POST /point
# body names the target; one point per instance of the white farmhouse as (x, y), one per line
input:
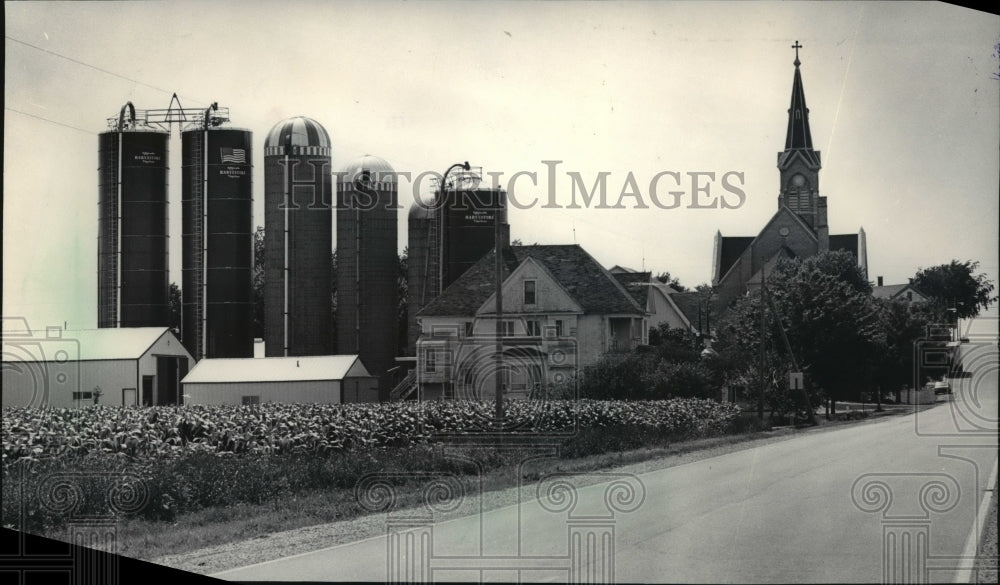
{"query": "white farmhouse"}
(561, 312)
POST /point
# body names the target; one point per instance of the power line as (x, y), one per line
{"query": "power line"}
(102, 70)
(48, 120)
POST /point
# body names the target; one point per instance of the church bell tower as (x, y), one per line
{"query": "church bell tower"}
(799, 164)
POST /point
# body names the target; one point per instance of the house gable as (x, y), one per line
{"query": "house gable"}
(663, 309)
(550, 295)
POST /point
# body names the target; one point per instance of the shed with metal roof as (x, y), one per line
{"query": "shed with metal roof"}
(326, 379)
(123, 366)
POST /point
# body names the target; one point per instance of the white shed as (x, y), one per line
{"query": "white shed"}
(66, 368)
(329, 379)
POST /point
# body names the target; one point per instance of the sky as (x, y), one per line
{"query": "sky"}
(903, 97)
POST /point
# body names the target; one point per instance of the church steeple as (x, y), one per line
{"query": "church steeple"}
(799, 164)
(798, 135)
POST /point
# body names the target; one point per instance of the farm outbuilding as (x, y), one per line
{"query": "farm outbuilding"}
(328, 379)
(123, 366)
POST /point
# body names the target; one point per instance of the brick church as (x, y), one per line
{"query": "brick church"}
(798, 229)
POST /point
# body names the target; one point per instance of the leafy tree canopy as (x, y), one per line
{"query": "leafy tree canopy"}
(955, 286)
(671, 281)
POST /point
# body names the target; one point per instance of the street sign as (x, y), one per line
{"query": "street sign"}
(795, 381)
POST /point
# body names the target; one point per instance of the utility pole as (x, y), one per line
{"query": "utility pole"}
(791, 356)
(498, 252)
(763, 290)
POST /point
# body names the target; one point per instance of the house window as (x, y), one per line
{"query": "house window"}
(909, 295)
(507, 329)
(559, 328)
(430, 364)
(534, 328)
(251, 400)
(468, 328)
(529, 292)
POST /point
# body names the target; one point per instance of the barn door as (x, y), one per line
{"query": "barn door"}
(147, 390)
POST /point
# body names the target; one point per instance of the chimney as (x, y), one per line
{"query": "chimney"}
(880, 281)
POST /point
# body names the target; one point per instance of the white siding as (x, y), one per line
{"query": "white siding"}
(321, 391)
(663, 312)
(53, 384)
(166, 346)
(590, 338)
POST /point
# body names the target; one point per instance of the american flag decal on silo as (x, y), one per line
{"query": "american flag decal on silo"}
(233, 155)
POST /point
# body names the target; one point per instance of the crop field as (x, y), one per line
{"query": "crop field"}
(167, 432)
(154, 463)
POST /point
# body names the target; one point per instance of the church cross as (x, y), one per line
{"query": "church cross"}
(797, 46)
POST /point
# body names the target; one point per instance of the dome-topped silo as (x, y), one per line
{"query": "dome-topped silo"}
(367, 262)
(298, 228)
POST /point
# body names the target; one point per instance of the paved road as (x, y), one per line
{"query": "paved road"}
(893, 499)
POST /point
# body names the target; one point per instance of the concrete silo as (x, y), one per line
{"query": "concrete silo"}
(217, 240)
(298, 228)
(367, 262)
(132, 241)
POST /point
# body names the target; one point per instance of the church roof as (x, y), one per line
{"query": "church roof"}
(783, 253)
(845, 242)
(798, 138)
(798, 135)
(732, 248)
(583, 278)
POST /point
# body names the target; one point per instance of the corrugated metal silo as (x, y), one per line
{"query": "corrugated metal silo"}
(132, 244)
(367, 263)
(217, 233)
(298, 277)
(467, 228)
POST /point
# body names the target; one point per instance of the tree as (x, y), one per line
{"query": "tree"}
(674, 344)
(903, 324)
(333, 300)
(618, 377)
(830, 319)
(671, 281)
(176, 301)
(402, 288)
(258, 282)
(739, 361)
(821, 305)
(954, 286)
